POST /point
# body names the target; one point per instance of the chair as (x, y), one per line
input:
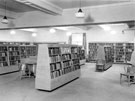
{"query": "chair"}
(129, 74)
(27, 68)
(129, 70)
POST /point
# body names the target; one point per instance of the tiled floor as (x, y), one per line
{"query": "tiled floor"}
(91, 86)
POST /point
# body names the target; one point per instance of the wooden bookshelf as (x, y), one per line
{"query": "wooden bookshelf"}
(121, 52)
(9, 58)
(23, 52)
(31, 50)
(28, 50)
(119, 55)
(57, 64)
(129, 48)
(11, 55)
(92, 52)
(81, 55)
(14, 55)
(3, 56)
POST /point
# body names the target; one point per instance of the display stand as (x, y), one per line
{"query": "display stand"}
(57, 64)
(104, 58)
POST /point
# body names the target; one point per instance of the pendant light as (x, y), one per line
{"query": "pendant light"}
(80, 13)
(5, 20)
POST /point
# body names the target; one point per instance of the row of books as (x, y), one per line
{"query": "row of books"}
(14, 53)
(14, 58)
(3, 59)
(3, 54)
(14, 62)
(54, 51)
(66, 57)
(74, 56)
(65, 50)
(58, 73)
(13, 48)
(55, 59)
(55, 67)
(2, 64)
(3, 49)
(67, 64)
(76, 61)
(74, 50)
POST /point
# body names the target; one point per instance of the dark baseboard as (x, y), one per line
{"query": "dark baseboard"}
(9, 72)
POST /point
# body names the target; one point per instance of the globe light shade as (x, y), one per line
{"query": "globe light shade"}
(34, 34)
(52, 30)
(12, 32)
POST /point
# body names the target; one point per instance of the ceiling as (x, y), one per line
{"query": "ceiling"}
(66, 4)
(15, 6)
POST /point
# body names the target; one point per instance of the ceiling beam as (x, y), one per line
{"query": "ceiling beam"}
(67, 25)
(43, 5)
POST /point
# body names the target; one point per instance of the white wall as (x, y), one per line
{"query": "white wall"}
(100, 35)
(43, 35)
(20, 36)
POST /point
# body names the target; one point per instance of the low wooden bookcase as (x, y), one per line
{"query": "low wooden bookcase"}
(57, 64)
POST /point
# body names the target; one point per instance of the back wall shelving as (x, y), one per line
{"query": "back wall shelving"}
(121, 51)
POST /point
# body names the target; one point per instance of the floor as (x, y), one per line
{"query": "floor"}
(91, 86)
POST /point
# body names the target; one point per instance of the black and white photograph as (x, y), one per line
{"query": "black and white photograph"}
(67, 50)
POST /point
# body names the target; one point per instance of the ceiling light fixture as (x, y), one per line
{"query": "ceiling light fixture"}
(34, 34)
(80, 13)
(12, 32)
(52, 30)
(5, 20)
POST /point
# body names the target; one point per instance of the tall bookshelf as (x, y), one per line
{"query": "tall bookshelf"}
(11, 55)
(9, 58)
(28, 50)
(129, 48)
(23, 52)
(92, 52)
(3, 56)
(119, 56)
(14, 55)
(81, 54)
(120, 51)
(57, 64)
(31, 50)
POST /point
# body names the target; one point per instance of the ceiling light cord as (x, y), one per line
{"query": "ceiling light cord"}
(80, 4)
(5, 7)
(5, 20)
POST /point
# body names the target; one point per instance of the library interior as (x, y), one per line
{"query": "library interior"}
(65, 50)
